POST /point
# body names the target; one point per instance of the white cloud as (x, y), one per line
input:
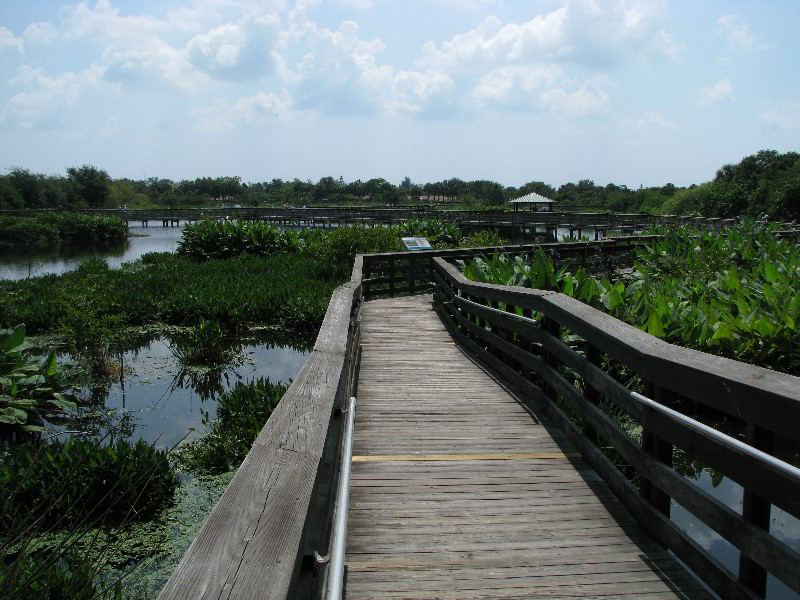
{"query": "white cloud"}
(738, 34)
(543, 87)
(579, 31)
(784, 116)
(358, 4)
(41, 32)
(647, 120)
(47, 93)
(8, 39)
(239, 50)
(709, 95)
(259, 109)
(335, 72)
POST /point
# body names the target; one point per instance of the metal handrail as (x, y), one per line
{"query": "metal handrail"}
(337, 556)
(724, 439)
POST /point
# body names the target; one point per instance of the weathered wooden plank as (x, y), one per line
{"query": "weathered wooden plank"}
(450, 468)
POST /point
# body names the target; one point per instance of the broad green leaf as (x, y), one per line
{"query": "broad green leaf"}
(771, 272)
(654, 326)
(568, 288)
(769, 294)
(14, 339)
(51, 364)
(722, 331)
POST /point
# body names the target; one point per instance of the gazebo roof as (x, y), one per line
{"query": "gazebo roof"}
(532, 198)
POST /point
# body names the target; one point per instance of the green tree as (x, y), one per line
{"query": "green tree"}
(89, 186)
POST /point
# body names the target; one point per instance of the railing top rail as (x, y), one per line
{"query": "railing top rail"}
(754, 394)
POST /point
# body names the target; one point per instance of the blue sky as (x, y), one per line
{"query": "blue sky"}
(628, 91)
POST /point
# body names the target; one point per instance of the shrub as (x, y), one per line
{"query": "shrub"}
(53, 229)
(337, 249)
(223, 239)
(483, 239)
(64, 484)
(66, 576)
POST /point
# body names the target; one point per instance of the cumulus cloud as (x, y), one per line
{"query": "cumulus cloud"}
(710, 95)
(738, 34)
(783, 116)
(41, 32)
(258, 109)
(336, 72)
(543, 87)
(9, 40)
(46, 93)
(579, 31)
(239, 50)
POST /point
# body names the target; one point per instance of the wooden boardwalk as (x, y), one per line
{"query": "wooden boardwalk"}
(461, 491)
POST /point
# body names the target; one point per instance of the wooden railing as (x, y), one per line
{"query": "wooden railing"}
(517, 332)
(394, 215)
(398, 273)
(261, 538)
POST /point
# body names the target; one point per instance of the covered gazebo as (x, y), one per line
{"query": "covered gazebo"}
(537, 200)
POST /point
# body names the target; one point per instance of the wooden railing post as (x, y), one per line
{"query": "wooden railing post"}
(589, 392)
(756, 510)
(553, 328)
(660, 450)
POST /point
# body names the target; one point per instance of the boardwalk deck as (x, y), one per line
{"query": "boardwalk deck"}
(461, 491)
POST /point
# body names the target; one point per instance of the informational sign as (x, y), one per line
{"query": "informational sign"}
(416, 243)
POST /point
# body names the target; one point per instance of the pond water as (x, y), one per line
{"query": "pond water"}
(155, 400)
(142, 241)
(783, 526)
(154, 238)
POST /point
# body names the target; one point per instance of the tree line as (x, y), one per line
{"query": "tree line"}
(764, 184)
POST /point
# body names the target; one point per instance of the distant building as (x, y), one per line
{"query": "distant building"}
(537, 201)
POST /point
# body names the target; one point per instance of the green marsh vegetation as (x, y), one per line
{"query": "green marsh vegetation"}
(53, 230)
(736, 294)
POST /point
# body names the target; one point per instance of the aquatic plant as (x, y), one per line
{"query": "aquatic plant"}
(50, 230)
(30, 390)
(735, 293)
(52, 576)
(223, 239)
(206, 345)
(57, 485)
(241, 414)
(289, 291)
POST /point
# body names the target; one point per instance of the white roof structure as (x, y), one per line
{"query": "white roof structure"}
(532, 198)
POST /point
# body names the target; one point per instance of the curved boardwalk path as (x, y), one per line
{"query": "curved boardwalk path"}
(460, 490)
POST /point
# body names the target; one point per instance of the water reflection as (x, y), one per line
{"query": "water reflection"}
(15, 265)
(783, 526)
(152, 397)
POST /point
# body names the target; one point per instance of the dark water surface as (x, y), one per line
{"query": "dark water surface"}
(144, 239)
(155, 400)
(783, 526)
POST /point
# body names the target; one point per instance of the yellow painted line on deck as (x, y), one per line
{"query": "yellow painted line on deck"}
(465, 457)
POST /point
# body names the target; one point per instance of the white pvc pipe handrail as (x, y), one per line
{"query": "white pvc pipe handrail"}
(336, 568)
